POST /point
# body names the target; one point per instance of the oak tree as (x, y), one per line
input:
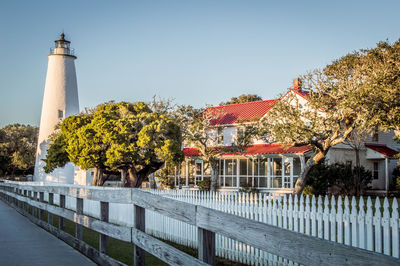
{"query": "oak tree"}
(128, 137)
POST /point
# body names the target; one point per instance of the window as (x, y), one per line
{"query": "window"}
(198, 171)
(60, 114)
(246, 172)
(286, 181)
(296, 169)
(276, 172)
(260, 172)
(243, 172)
(220, 136)
(376, 170)
(221, 173)
(230, 172)
(375, 137)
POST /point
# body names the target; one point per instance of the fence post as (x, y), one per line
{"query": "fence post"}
(41, 199)
(34, 208)
(25, 204)
(79, 210)
(206, 246)
(14, 197)
(18, 203)
(61, 222)
(30, 211)
(139, 223)
(49, 215)
(104, 211)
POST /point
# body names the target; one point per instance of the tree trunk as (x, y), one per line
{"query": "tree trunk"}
(136, 178)
(99, 178)
(302, 180)
(357, 175)
(214, 176)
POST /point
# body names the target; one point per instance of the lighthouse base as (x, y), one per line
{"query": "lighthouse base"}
(63, 175)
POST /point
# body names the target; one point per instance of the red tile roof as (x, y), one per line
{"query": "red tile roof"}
(257, 149)
(381, 148)
(191, 152)
(275, 149)
(241, 112)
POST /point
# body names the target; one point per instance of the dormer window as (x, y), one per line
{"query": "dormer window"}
(220, 136)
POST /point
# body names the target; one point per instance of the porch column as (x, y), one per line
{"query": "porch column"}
(386, 174)
(175, 177)
(187, 173)
(202, 171)
(283, 172)
(252, 172)
(269, 173)
(291, 172)
(237, 173)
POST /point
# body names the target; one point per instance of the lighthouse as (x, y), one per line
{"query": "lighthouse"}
(60, 100)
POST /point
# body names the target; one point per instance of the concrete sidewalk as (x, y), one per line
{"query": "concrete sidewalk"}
(24, 243)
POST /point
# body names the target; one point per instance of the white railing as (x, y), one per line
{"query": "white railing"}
(357, 222)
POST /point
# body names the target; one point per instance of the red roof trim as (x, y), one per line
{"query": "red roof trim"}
(256, 149)
(302, 93)
(381, 148)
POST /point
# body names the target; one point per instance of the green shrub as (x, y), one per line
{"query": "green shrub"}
(396, 176)
(353, 181)
(204, 185)
(308, 190)
(319, 180)
(349, 181)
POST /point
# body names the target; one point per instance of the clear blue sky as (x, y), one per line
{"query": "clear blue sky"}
(196, 52)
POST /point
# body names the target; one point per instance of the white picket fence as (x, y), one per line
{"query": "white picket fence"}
(359, 224)
(364, 224)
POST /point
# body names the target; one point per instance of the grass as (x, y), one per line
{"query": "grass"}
(123, 251)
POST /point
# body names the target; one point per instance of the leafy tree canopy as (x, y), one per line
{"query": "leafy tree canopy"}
(244, 98)
(17, 148)
(119, 136)
(358, 93)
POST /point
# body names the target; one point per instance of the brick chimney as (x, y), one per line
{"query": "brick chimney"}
(297, 84)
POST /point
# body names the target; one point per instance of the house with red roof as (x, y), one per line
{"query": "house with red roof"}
(271, 167)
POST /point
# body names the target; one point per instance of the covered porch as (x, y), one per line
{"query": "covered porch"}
(265, 167)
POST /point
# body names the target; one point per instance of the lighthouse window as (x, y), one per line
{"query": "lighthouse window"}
(60, 114)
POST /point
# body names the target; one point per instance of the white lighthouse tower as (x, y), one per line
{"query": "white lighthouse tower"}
(60, 100)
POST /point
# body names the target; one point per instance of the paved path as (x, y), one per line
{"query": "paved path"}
(24, 243)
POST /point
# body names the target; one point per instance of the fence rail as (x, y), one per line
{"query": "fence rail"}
(356, 222)
(290, 245)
